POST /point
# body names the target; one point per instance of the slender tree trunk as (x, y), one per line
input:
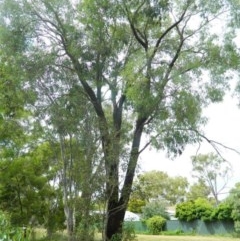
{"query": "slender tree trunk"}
(69, 214)
(67, 195)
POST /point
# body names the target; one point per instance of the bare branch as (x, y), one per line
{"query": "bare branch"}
(215, 144)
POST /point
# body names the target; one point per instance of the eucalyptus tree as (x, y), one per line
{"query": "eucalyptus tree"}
(213, 171)
(146, 68)
(71, 129)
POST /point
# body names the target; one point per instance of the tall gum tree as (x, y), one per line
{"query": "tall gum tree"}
(147, 67)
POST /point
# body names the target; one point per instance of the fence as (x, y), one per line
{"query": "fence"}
(197, 226)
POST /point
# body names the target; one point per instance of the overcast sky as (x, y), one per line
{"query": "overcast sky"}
(223, 126)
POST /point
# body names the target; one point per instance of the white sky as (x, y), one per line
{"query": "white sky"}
(223, 126)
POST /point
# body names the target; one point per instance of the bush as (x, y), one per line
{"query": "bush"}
(186, 211)
(198, 209)
(156, 224)
(204, 209)
(223, 211)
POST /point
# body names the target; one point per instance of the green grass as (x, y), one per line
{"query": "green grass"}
(182, 238)
(61, 236)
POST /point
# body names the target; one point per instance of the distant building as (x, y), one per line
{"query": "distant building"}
(130, 216)
(171, 212)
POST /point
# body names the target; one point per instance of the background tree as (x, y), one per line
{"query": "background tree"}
(135, 205)
(213, 171)
(154, 208)
(25, 189)
(139, 65)
(158, 185)
(75, 143)
(198, 190)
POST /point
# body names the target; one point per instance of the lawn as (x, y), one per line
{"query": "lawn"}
(182, 238)
(140, 237)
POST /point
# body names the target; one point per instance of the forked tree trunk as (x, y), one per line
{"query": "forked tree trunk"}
(114, 226)
(117, 206)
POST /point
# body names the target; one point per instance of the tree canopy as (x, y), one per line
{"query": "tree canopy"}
(142, 70)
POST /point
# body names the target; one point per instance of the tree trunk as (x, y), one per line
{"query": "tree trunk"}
(117, 206)
(70, 222)
(114, 226)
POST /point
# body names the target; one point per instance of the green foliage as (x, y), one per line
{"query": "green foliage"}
(27, 194)
(9, 233)
(155, 224)
(198, 190)
(112, 71)
(234, 199)
(203, 209)
(157, 184)
(135, 205)
(223, 211)
(237, 226)
(186, 211)
(154, 208)
(191, 210)
(128, 233)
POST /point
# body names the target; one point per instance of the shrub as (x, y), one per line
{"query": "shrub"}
(223, 211)
(198, 209)
(156, 224)
(204, 209)
(186, 211)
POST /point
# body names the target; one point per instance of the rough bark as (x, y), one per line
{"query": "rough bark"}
(117, 206)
